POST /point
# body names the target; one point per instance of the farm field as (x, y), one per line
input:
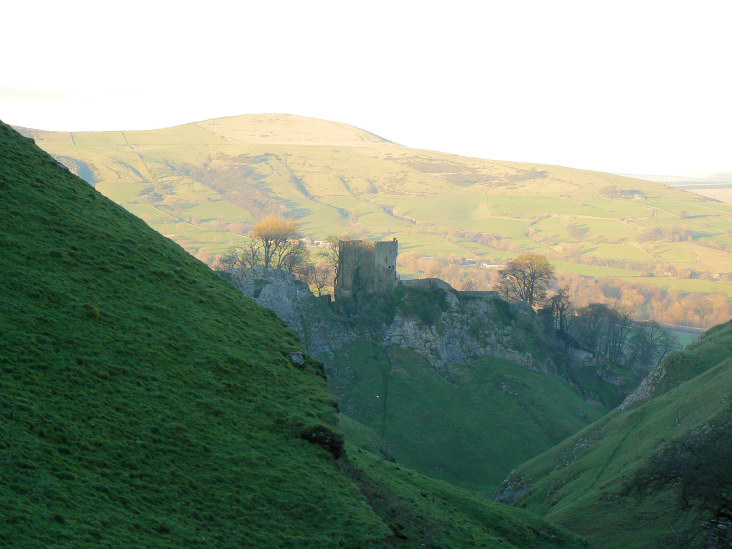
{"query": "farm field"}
(204, 185)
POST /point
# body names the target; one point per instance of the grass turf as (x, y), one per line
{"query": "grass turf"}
(147, 403)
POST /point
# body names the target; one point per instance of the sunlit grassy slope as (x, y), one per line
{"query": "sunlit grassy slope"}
(597, 482)
(145, 402)
(203, 184)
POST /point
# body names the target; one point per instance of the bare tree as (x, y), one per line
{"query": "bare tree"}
(332, 253)
(319, 275)
(609, 332)
(619, 325)
(228, 261)
(588, 326)
(250, 254)
(274, 242)
(667, 342)
(642, 342)
(560, 306)
(293, 257)
(526, 279)
(276, 236)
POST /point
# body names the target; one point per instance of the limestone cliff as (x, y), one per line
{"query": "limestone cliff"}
(441, 377)
(464, 330)
(444, 326)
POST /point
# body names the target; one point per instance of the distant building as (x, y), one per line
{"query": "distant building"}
(366, 267)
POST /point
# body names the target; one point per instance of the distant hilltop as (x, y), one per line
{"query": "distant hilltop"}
(205, 184)
(681, 180)
(717, 186)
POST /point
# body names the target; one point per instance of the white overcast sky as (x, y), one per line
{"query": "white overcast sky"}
(622, 86)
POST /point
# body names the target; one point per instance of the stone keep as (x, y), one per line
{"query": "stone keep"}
(366, 267)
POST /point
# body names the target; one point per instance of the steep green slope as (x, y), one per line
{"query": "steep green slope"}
(203, 184)
(471, 430)
(146, 402)
(459, 387)
(713, 347)
(652, 475)
(423, 512)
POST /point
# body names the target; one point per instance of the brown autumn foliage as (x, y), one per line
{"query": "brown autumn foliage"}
(647, 302)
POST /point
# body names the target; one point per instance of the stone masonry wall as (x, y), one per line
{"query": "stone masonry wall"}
(366, 267)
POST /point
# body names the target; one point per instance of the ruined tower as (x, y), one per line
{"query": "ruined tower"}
(366, 267)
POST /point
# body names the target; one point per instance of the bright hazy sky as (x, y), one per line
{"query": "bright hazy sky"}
(623, 86)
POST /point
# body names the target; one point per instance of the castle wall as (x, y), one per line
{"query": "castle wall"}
(426, 284)
(366, 267)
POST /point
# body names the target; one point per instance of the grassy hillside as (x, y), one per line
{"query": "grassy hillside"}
(653, 475)
(430, 513)
(460, 388)
(715, 346)
(471, 430)
(145, 402)
(203, 184)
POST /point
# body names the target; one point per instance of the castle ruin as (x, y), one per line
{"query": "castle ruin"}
(366, 267)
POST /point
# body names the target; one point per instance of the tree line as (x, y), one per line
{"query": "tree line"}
(648, 302)
(606, 331)
(275, 242)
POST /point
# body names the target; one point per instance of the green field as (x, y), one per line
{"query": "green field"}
(220, 175)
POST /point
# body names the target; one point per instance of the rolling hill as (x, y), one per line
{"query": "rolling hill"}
(717, 186)
(146, 402)
(204, 184)
(654, 472)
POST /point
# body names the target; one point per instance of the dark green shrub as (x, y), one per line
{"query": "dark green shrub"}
(91, 312)
(425, 304)
(502, 311)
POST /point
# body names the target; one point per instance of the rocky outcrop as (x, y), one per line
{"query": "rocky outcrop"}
(649, 387)
(681, 366)
(294, 303)
(451, 340)
(512, 488)
(444, 326)
(463, 330)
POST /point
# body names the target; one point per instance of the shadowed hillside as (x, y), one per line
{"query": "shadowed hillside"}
(146, 402)
(461, 388)
(654, 472)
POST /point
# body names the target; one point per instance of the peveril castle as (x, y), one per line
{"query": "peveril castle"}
(370, 268)
(366, 267)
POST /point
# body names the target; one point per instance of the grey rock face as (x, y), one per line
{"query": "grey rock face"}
(462, 332)
(297, 358)
(511, 489)
(646, 390)
(294, 303)
(450, 339)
